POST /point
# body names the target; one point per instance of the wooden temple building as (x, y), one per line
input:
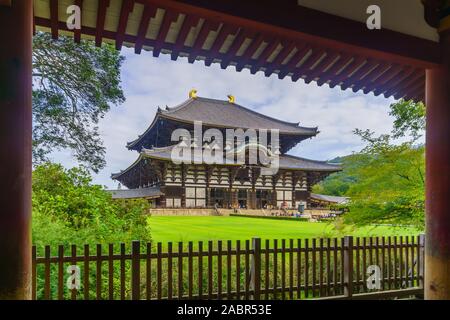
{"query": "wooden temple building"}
(156, 177)
(312, 41)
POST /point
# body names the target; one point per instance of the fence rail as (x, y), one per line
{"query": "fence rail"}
(256, 269)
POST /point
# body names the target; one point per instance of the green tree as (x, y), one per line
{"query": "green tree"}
(390, 186)
(69, 209)
(409, 119)
(385, 180)
(74, 85)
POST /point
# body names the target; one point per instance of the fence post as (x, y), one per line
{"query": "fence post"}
(135, 270)
(348, 266)
(255, 270)
(421, 265)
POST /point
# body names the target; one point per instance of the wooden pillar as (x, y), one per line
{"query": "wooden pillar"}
(437, 244)
(208, 174)
(15, 139)
(183, 185)
(295, 178)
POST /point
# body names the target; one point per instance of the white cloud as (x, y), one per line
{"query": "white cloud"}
(150, 82)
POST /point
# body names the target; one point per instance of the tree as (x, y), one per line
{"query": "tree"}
(409, 119)
(74, 85)
(385, 181)
(390, 186)
(69, 209)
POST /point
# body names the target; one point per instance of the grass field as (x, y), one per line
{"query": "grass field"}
(191, 228)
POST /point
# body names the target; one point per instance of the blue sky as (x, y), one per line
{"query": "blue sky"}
(150, 82)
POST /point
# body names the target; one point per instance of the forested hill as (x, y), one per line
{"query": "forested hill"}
(339, 183)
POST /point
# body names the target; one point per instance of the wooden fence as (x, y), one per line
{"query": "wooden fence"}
(256, 269)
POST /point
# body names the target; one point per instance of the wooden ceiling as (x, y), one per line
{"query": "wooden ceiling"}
(263, 36)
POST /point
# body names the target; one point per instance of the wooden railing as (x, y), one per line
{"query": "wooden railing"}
(270, 269)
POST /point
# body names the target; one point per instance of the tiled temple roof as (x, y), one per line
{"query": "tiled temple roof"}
(150, 192)
(224, 114)
(331, 199)
(285, 161)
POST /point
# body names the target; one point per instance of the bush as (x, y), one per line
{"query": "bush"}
(69, 209)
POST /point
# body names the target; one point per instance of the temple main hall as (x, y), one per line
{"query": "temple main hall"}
(170, 184)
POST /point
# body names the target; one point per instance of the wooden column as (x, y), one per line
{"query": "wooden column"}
(295, 178)
(208, 174)
(437, 250)
(275, 179)
(255, 172)
(183, 184)
(15, 139)
(232, 193)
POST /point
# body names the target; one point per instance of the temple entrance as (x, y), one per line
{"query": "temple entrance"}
(242, 198)
(217, 196)
(263, 199)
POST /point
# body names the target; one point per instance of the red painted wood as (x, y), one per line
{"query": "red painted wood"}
(188, 23)
(305, 67)
(169, 17)
(206, 28)
(293, 61)
(101, 16)
(332, 71)
(412, 82)
(54, 18)
(77, 32)
(437, 246)
(319, 69)
(369, 83)
(15, 138)
(224, 32)
(357, 76)
(149, 12)
(281, 56)
(318, 28)
(127, 8)
(267, 52)
(354, 65)
(413, 89)
(400, 79)
(386, 76)
(250, 51)
(234, 48)
(370, 78)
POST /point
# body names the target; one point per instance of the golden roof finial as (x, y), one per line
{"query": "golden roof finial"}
(231, 98)
(193, 94)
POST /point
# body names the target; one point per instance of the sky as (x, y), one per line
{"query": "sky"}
(150, 82)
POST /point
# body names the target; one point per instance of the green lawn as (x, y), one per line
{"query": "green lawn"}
(191, 228)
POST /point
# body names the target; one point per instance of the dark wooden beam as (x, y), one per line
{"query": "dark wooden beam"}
(316, 54)
(54, 18)
(293, 61)
(250, 51)
(127, 8)
(224, 32)
(188, 23)
(15, 137)
(77, 32)
(237, 43)
(262, 59)
(318, 28)
(437, 244)
(206, 28)
(149, 12)
(101, 16)
(169, 18)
